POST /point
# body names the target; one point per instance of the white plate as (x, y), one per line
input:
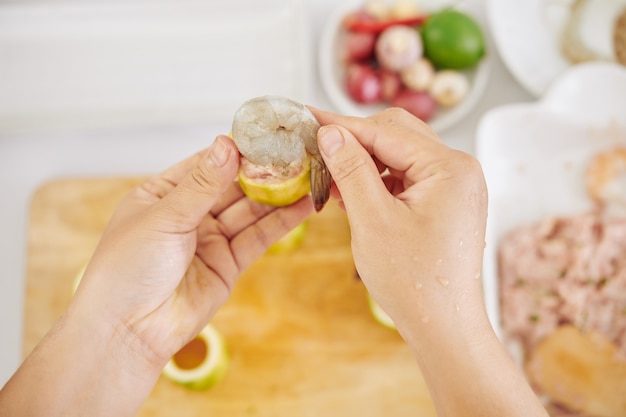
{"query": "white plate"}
(93, 64)
(331, 68)
(527, 35)
(534, 155)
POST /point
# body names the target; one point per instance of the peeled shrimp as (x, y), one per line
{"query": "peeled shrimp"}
(277, 134)
(606, 176)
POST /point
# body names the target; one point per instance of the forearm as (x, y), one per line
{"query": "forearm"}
(80, 368)
(469, 373)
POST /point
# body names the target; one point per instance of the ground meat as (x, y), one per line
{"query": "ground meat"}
(564, 270)
(270, 174)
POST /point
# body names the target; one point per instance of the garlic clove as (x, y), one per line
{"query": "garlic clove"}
(419, 75)
(449, 87)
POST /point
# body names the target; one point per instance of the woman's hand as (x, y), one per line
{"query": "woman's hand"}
(166, 262)
(418, 241)
(175, 246)
(418, 232)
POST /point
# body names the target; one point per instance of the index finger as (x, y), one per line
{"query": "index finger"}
(393, 136)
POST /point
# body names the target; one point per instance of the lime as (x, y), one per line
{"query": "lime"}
(379, 314)
(201, 363)
(452, 40)
(277, 193)
(290, 241)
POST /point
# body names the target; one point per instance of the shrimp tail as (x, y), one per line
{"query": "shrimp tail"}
(320, 182)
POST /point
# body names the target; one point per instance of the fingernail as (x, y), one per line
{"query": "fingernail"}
(219, 152)
(330, 140)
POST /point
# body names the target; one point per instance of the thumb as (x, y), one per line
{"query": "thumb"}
(353, 170)
(190, 201)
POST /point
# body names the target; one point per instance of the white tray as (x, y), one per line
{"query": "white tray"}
(534, 155)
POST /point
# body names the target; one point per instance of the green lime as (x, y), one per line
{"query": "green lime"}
(452, 40)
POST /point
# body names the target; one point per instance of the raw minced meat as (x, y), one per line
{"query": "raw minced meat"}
(271, 173)
(564, 270)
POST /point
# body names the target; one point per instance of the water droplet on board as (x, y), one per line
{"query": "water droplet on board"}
(443, 281)
(477, 276)
(461, 243)
(476, 232)
(439, 261)
(425, 319)
(457, 308)
(418, 286)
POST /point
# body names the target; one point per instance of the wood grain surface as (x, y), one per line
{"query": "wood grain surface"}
(301, 339)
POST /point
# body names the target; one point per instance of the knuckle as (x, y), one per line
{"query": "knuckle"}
(202, 178)
(397, 118)
(261, 236)
(467, 164)
(157, 186)
(259, 210)
(468, 171)
(389, 116)
(348, 168)
(396, 112)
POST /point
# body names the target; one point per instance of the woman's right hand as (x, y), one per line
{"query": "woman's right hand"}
(418, 231)
(418, 236)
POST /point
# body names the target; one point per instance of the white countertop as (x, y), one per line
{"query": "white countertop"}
(29, 159)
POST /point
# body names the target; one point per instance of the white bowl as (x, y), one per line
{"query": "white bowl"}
(527, 35)
(331, 68)
(534, 155)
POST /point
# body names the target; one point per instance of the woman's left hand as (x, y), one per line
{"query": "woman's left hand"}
(175, 247)
(166, 262)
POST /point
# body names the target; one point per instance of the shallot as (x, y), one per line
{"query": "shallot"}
(363, 84)
(420, 104)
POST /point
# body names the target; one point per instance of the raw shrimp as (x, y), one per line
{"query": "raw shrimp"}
(278, 134)
(606, 176)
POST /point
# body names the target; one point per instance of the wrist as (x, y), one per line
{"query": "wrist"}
(467, 370)
(112, 361)
(82, 367)
(115, 363)
(110, 346)
(446, 324)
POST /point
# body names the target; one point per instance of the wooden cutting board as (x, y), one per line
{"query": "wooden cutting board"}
(298, 329)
